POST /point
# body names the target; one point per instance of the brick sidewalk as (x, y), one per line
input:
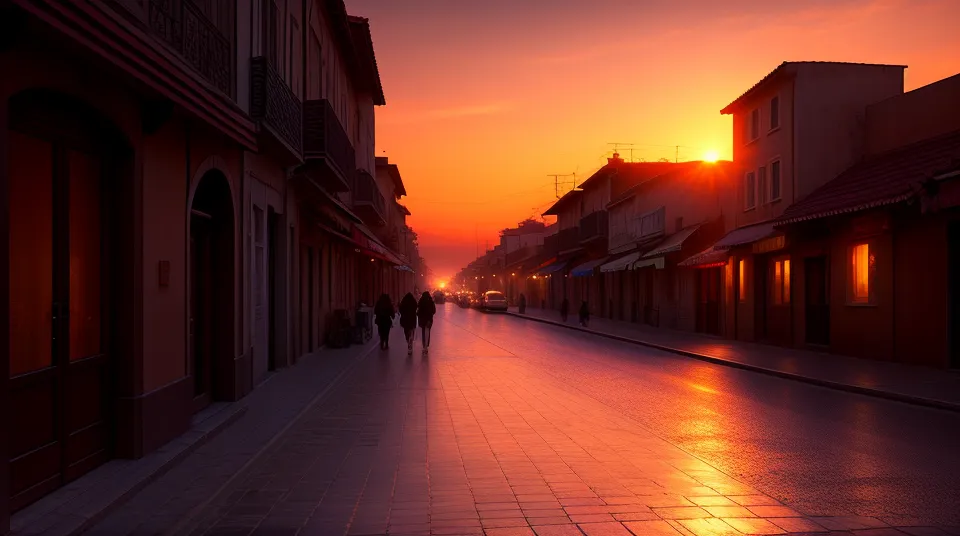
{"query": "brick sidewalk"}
(270, 409)
(476, 440)
(911, 384)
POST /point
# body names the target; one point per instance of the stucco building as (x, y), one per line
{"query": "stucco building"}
(189, 193)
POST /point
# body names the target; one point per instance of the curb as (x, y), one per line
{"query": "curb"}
(867, 391)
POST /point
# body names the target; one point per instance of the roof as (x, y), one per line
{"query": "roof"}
(563, 202)
(884, 179)
(394, 172)
(785, 71)
(363, 44)
(643, 175)
(745, 235)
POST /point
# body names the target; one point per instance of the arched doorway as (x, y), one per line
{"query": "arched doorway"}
(211, 291)
(67, 169)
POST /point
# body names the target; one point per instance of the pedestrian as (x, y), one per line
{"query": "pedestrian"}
(584, 314)
(523, 303)
(408, 319)
(383, 314)
(564, 309)
(425, 311)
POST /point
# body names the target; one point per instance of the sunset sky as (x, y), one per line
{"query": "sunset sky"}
(485, 99)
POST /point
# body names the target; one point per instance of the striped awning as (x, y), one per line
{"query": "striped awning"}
(586, 269)
(745, 235)
(657, 263)
(623, 263)
(672, 243)
(708, 257)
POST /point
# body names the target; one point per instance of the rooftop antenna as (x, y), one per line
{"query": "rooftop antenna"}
(617, 145)
(557, 184)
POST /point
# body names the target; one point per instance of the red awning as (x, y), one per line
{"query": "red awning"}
(707, 258)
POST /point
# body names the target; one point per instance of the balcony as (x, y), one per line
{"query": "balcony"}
(278, 110)
(185, 27)
(569, 239)
(368, 202)
(331, 158)
(519, 255)
(551, 246)
(594, 226)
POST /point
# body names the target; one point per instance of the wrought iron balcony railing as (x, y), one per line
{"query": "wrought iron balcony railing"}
(367, 198)
(569, 239)
(594, 226)
(183, 26)
(325, 139)
(275, 104)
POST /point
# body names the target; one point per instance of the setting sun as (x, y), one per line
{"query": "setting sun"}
(711, 156)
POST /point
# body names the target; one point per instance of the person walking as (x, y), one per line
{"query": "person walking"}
(523, 303)
(383, 316)
(408, 319)
(564, 309)
(425, 311)
(584, 314)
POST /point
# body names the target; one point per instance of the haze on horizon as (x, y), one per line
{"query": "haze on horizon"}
(486, 99)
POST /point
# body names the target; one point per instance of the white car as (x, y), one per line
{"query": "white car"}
(493, 301)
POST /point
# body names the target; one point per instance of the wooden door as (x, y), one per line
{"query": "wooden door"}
(761, 296)
(59, 369)
(708, 300)
(953, 290)
(817, 303)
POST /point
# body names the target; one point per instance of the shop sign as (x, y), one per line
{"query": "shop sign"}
(767, 245)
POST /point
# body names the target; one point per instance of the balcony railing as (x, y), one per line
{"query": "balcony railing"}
(183, 26)
(274, 103)
(594, 226)
(569, 239)
(367, 198)
(551, 245)
(324, 139)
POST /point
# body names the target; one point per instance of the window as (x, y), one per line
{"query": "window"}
(775, 113)
(862, 266)
(781, 282)
(762, 184)
(754, 124)
(273, 36)
(749, 191)
(742, 281)
(775, 181)
(296, 62)
(652, 222)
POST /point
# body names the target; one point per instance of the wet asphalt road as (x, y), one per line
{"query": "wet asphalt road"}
(821, 451)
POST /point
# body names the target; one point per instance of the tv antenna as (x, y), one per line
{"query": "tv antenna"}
(618, 145)
(559, 185)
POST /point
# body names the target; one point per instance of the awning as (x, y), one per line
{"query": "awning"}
(623, 263)
(745, 235)
(586, 269)
(643, 263)
(706, 258)
(553, 268)
(672, 243)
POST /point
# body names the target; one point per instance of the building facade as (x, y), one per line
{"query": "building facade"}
(186, 208)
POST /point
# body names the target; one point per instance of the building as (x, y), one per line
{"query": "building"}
(190, 195)
(876, 250)
(793, 131)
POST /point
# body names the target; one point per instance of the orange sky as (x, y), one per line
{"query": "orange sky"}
(487, 98)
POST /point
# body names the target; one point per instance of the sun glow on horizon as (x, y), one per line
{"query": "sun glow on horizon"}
(711, 156)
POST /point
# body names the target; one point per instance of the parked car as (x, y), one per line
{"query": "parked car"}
(439, 298)
(493, 301)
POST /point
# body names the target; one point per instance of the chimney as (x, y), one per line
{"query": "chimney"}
(615, 159)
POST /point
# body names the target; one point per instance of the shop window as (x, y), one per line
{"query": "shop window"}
(861, 274)
(781, 282)
(742, 281)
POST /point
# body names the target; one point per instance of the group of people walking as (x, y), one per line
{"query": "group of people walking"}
(411, 314)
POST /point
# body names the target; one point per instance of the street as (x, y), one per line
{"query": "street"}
(510, 424)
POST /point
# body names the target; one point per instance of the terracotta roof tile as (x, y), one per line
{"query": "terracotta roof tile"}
(883, 179)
